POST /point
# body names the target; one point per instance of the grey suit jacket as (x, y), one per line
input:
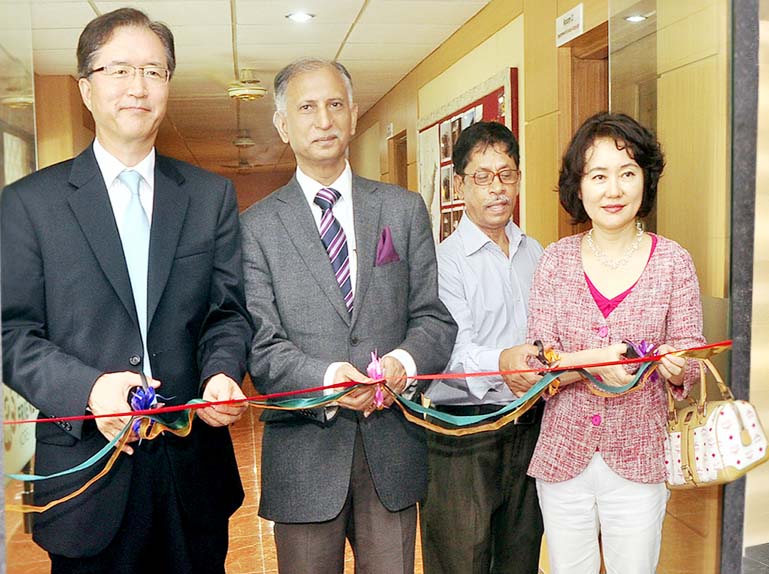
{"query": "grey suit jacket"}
(302, 326)
(69, 316)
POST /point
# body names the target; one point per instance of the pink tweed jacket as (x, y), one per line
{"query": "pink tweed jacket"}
(663, 307)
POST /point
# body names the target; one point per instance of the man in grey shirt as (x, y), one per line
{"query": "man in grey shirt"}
(481, 514)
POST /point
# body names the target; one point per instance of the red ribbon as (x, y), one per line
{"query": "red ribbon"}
(348, 384)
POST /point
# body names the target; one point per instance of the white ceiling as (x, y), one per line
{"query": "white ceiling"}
(378, 40)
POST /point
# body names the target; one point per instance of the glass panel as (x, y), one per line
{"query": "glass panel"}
(669, 68)
(17, 159)
(756, 533)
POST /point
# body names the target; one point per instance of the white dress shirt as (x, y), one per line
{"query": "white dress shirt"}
(487, 293)
(120, 195)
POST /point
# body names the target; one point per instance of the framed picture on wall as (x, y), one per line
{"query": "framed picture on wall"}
(445, 135)
(456, 127)
(456, 215)
(446, 228)
(446, 184)
(468, 118)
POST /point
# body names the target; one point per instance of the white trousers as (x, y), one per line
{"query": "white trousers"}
(627, 514)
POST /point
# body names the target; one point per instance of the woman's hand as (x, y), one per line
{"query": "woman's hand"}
(671, 367)
(612, 375)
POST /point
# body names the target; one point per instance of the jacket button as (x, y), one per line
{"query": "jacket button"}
(354, 340)
(134, 360)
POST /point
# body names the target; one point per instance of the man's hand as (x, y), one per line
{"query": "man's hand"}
(396, 379)
(361, 398)
(516, 359)
(220, 387)
(670, 366)
(109, 394)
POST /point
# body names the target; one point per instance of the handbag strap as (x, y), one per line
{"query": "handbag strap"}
(705, 366)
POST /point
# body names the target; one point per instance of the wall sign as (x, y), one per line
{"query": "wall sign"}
(569, 25)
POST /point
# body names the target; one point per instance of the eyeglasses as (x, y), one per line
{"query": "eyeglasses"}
(127, 71)
(484, 178)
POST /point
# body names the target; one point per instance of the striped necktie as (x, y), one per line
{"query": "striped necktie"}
(135, 237)
(335, 241)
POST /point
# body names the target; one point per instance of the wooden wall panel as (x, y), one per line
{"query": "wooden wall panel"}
(64, 125)
(688, 40)
(541, 63)
(540, 206)
(692, 127)
(691, 533)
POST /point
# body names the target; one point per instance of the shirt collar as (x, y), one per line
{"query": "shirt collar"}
(111, 167)
(310, 187)
(473, 239)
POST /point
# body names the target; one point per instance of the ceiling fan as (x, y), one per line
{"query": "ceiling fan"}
(242, 142)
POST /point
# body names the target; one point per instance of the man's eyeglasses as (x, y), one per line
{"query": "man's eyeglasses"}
(127, 71)
(506, 176)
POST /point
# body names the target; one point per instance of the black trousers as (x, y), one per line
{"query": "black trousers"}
(155, 535)
(481, 514)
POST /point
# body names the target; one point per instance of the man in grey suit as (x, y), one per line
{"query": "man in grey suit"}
(120, 264)
(336, 267)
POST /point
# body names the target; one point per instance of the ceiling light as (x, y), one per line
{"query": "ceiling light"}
(635, 18)
(300, 17)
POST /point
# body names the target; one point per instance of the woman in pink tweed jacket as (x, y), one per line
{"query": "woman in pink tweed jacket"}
(599, 462)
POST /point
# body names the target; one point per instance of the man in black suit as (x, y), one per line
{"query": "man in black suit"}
(85, 311)
(351, 472)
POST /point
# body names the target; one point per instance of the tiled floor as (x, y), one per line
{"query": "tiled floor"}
(252, 550)
(756, 560)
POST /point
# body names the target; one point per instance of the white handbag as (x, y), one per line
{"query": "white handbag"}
(712, 442)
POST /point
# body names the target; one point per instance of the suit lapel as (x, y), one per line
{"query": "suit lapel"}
(93, 211)
(367, 208)
(168, 212)
(297, 218)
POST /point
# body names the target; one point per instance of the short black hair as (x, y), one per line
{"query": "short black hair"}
(640, 143)
(478, 137)
(99, 31)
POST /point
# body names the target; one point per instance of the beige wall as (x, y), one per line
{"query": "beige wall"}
(64, 124)
(399, 106)
(364, 155)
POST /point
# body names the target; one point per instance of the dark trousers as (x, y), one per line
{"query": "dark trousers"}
(154, 536)
(481, 514)
(382, 541)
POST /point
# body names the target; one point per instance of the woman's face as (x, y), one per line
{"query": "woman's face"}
(612, 186)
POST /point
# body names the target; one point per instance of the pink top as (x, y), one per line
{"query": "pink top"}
(607, 305)
(663, 307)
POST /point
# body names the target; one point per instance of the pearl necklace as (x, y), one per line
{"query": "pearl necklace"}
(616, 263)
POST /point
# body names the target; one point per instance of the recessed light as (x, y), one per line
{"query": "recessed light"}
(300, 17)
(635, 18)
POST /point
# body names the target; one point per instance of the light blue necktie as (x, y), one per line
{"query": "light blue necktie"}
(135, 236)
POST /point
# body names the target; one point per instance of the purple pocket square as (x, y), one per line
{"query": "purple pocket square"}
(385, 250)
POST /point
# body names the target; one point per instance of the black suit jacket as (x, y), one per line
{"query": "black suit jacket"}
(68, 316)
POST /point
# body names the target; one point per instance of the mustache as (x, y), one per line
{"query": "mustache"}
(497, 199)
